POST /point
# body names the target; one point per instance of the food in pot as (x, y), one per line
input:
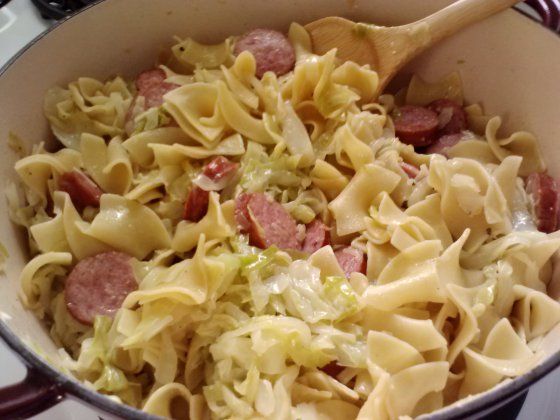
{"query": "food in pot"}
(246, 229)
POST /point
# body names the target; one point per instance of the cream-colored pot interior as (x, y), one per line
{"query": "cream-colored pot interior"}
(508, 62)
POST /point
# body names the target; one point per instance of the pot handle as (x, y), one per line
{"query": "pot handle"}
(31, 396)
(549, 11)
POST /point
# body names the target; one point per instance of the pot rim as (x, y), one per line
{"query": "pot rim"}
(69, 385)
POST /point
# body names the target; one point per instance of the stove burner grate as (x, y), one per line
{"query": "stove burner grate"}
(59, 9)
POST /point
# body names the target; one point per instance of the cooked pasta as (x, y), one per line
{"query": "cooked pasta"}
(262, 245)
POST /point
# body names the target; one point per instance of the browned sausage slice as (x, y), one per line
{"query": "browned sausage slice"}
(544, 192)
(416, 125)
(443, 144)
(332, 369)
(316, 236)
(152, 86)
(267, 222)
(242, 212)
(98, 285)
(451, 116)
(409, 169)
(81, 189)
(149, 79)
(196, 204)
(220, 167)
(351, 260)
(271, 49)
(271, 224)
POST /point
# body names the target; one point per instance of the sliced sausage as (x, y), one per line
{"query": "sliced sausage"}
(351, 260)
(152, 86)
(196, 204)
(271, 49)
(332, 369)
(316, 236)
(443, 144)
(416, 125)
(149, 79)
(242, 212)
(409, 169)
(82, 190)
(219, 168)
(544, 192)
(269, 223)
(98, 285)
(451, 116)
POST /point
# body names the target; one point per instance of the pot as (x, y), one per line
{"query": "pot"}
(508, 62)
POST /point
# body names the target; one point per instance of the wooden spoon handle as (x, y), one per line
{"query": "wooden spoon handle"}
(460, 14)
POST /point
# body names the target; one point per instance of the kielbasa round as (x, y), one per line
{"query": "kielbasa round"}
(544, 192)
(316, 236)
(351, 260)
(267, 222)
(271, 49)
(219, 168)
(452, 118)
(152, 86)
(196, 204)
(242, 212)
(82, 190)
(416, 125)
(332, 369)
(98, 285)
(443, 144)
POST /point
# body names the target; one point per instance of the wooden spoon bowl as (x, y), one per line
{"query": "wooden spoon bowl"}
(388, 49)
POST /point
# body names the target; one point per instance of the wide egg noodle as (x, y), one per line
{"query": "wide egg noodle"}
(421, 285)
(328, 179)
(35, 282)
(35, 170)
(82, 244)
(350, 151)
(138, 145)
(388, 223)
(520, 143)
(129, 227)
(166, 154)
(108, 164)
(50, 235)
(216, 224)
(350, 207)
(195, 107)
(240, 77)
(472, 197)
(504, 354)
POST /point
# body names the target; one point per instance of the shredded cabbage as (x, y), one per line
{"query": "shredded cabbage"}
(298, 290)
(263, 172)
(94, 361)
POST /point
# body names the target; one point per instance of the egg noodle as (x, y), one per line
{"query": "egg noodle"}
(453, 301)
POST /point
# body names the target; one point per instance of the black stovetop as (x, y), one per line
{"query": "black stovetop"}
(59, 9)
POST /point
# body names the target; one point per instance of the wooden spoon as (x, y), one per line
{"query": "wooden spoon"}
(388, 49)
